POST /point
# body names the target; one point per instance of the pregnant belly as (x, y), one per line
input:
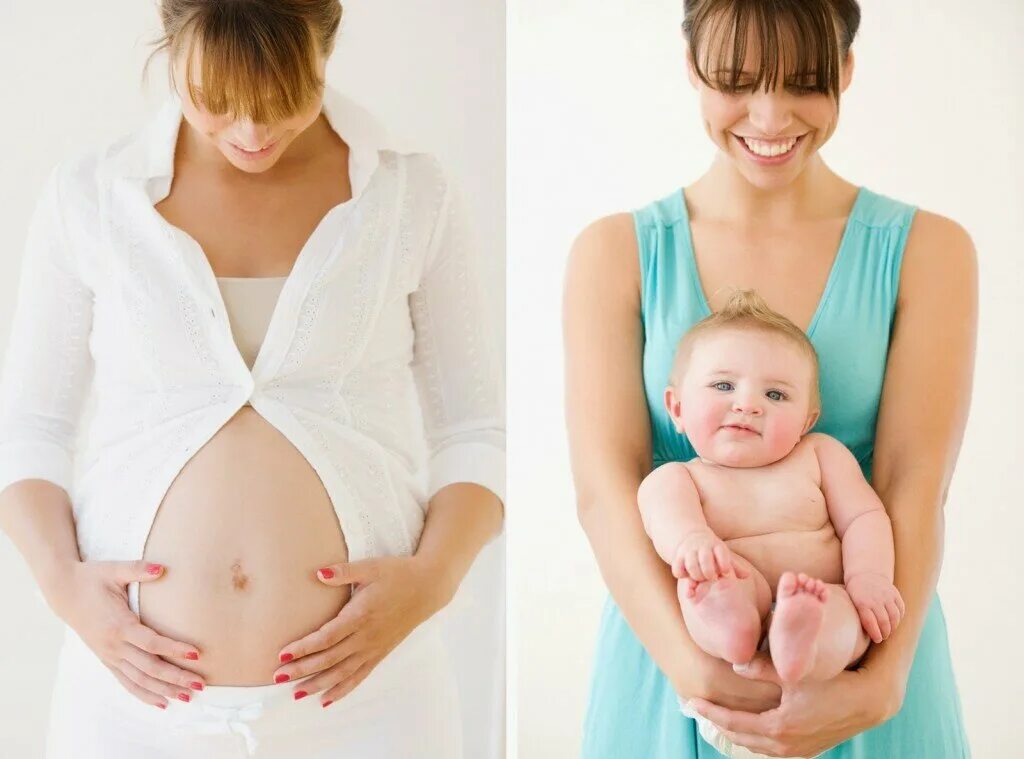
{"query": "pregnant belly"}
(242, 530)
(817, 553)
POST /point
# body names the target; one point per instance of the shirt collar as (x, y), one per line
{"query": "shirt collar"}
(150, 156)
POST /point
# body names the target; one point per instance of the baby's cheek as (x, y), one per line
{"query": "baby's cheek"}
(783, 437)
(700, 425)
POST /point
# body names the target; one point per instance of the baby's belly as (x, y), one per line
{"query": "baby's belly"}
(817, 553)
(242, 530)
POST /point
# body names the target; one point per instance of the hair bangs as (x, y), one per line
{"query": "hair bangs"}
(797, 43)
(252, 62)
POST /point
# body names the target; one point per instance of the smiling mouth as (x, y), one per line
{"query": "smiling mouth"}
(779, 149)
(265, 149)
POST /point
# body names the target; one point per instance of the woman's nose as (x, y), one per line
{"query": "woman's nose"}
(250, 135)
(770, 113)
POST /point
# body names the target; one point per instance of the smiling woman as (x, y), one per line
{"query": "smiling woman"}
(857, 272)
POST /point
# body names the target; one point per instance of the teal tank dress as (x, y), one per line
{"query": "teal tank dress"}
(633, 711)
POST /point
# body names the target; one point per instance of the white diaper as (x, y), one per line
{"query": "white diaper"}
(710, 733)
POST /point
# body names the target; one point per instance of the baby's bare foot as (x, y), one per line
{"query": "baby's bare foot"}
(799, 612)
(725, 609)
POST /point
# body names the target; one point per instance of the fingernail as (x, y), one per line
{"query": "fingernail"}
(184, 697)
(282, 678)
(740, 667)
(161, 706)
(192, 655)
(300, 694)
(327, 573)
(325, 704)
(285, 658)
(196, 686)
(153, 569)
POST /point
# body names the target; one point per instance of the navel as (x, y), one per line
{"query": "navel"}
(239, 580)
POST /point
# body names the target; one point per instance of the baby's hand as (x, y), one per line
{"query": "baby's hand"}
(878, 603)
(704, 556)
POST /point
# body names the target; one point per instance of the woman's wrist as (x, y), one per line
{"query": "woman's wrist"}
(440, 580)
(55, 581)
(886, 684)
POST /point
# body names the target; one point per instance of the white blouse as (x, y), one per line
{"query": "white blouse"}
(376, 364)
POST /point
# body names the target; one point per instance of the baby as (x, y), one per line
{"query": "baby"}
(767, 511)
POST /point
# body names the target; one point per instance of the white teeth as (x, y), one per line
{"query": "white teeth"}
(769, 149)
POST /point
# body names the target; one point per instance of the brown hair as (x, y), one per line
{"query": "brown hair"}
(821, 31)
(747, 310)
(259, 57)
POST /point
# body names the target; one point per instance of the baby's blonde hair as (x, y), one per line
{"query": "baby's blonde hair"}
(746, 310)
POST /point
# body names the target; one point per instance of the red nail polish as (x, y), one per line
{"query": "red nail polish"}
(325, 704)
(285, 658)
(196, 686)
(300, 694)
(153, 569)
(162, 706)
(282, 679)
(184, 697)
(327, 573)
(192, 655)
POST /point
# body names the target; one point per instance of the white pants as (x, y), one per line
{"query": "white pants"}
(407, 707)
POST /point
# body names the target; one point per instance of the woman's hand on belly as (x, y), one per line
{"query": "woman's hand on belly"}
(393, 595)
(94, 603)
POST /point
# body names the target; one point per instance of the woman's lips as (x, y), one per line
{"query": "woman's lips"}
(768, 160)
(251, 155)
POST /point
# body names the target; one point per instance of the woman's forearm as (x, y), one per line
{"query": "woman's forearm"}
(917, 525)
(461, 519)
(637, 579)
(36, 515)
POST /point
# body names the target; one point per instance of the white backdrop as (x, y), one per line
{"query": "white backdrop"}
(434, 73)
(602, 119)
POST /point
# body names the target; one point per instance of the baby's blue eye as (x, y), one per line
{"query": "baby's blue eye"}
(723, 386)
(776, 395)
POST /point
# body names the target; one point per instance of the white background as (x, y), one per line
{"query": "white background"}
(602, 119)
(432, 72)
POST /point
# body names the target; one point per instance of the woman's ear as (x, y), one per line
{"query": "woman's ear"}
(675, 408)
(847, 75)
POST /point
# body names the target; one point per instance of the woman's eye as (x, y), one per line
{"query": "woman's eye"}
(723, 386)
(776, 395)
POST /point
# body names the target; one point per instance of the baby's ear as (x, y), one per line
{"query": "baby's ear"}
(675, 408)
(812, 419)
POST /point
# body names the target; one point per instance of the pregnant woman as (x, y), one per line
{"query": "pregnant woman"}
(887, 295)
(295, 396)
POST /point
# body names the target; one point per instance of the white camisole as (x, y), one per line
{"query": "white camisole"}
(250, 303)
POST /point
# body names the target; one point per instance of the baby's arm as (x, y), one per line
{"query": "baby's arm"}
(864, 528)
(674, 520)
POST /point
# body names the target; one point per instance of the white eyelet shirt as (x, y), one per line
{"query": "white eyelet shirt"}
(376, 364)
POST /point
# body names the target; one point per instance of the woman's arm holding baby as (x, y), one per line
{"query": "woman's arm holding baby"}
(864, 528)
(610, 442)
(922, 415)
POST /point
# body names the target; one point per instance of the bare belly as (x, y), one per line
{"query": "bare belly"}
(816, 553)
(242, 530)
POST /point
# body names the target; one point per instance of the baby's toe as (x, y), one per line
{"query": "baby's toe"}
(787, 584)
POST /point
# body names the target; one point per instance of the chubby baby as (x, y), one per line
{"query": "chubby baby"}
(767, 511)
